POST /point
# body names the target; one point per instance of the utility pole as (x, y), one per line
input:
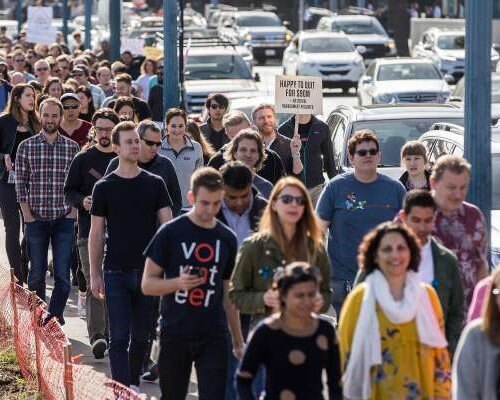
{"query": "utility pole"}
(170, 56)
(65, 17)
(477, 141)
(115, 12)
(88, 22)
(19, 15)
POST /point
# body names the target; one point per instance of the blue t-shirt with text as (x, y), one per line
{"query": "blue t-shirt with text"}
(353, 208)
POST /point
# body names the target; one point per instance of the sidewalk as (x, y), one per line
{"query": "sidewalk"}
(76, 331)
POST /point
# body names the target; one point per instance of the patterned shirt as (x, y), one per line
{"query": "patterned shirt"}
(41, 168)
(464, 233)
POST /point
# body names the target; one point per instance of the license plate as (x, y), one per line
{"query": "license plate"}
(270, 52)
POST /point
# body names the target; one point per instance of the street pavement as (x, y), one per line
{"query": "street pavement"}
(75, 327)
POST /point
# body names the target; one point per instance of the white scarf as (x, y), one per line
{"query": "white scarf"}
(366, 345)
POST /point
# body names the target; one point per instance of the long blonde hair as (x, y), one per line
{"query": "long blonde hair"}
(308, 236)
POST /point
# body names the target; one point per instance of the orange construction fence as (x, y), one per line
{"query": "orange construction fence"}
(44, 352)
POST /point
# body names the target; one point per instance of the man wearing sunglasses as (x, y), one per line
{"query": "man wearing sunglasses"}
(216, 105)
(81, 74)
(151, 161)
(42, 71)
(86, 169)
(353, 203)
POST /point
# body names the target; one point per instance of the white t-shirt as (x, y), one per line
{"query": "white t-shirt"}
(426, 267)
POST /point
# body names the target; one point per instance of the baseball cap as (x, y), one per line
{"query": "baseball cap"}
(68, 96)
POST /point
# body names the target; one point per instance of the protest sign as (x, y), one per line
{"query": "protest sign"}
(40, 29)
(133, 45)
(299, 95)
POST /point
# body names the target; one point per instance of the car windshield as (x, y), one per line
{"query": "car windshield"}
(258, 20)
(451, 42)
(407, 71)
(393, 134)
(327, 45)
(351, 27)
(216, 67)
(495, 179)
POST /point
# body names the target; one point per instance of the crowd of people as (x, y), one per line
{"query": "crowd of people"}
(224, 243)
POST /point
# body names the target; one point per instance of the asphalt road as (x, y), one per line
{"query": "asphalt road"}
(75, 327)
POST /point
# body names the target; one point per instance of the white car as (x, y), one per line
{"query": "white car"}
(447, 49)
(329, 55)
(449, 139)
(402, 80)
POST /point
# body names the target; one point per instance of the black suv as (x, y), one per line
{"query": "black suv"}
(394, 125)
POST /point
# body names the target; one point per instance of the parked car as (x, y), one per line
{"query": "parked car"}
(447, 49)
(328, 55)
(362, 30)
(394, 125)
(402, 80)
(458, 94)
(444, 139)
(262, 30)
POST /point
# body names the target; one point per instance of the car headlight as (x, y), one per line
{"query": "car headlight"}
(309, 65)
(495, 257)
(442, 97)
(385, 98)
(447, 59)
(288, 37)
(248, 37)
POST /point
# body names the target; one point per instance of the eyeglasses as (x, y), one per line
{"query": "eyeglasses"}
(215, 106)
(289, 199)
(100, 130)
(364, 153)
(42, 69)
(151, 143)
(71, 107)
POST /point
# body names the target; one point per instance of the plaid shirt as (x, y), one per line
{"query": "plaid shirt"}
(41, 169)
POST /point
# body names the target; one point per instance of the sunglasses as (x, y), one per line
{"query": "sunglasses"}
(71, 107)
(42, 69)
(364, 153)
(214, 106)
(289, 199)
(151, 143)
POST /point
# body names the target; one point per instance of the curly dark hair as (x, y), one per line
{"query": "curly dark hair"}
(367, 250)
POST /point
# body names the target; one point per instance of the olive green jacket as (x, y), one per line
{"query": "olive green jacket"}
(258, 258)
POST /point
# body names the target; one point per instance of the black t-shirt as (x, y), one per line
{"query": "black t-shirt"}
(86, 169)
(130, 207)
(181, 243)
(20, 136)
(304, 130)
(293, 364)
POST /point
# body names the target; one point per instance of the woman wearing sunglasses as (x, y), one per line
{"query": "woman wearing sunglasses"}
(295, 346)
(476, 367)
(288, 232)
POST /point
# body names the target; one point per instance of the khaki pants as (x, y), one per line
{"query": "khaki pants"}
(97, 318)
(314, 192)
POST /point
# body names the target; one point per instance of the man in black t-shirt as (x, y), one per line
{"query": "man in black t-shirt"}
(86, 169)
(130, 218)
(189, 263)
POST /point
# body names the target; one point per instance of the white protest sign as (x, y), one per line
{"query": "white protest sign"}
(40, 29)
(299, 95)
(133, 45)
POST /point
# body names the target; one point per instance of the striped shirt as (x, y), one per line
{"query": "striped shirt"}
(41, 169)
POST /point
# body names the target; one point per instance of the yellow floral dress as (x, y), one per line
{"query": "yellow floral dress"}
(410, 370)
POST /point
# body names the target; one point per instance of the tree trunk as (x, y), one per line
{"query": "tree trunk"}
(399, 24)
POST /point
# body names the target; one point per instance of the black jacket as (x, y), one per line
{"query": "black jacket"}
(8, 129)
(216, 138)
(259, 203)
(316, 152)
(272, 170)
(155, 102)
(404, 180)
(141, 108)
(164, 168)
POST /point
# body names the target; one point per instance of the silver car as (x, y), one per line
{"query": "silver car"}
(328, 55)
(402, 80)
(447, 49)
(443, 139)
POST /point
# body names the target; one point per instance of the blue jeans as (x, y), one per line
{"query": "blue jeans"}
(128, 313)
(60, 233)
(341, 289)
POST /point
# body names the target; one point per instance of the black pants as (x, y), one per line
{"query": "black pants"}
(11, 214)
(177, 355)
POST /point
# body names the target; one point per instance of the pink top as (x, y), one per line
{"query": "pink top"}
(480, 292)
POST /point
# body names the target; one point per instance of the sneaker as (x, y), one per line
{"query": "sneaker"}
(99, 348)
(81, 304)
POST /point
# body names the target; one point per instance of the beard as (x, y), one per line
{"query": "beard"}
(104, 142)
(50, 128)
